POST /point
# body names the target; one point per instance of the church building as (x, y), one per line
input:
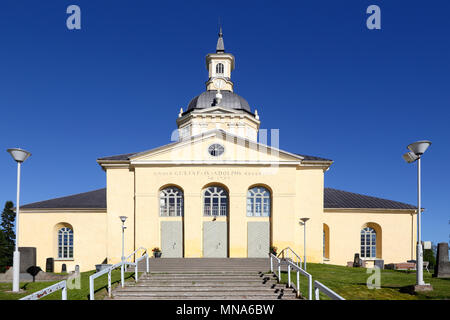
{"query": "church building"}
(219, 190)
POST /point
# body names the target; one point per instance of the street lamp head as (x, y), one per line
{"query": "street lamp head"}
(410, 157)
(123, 218)
(419, 147)
(18, 154)
(304, 219)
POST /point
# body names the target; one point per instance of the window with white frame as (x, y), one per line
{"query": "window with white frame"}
(258, 202)
(65, 243)
(171, 202)
(368, 243)
(215, 202)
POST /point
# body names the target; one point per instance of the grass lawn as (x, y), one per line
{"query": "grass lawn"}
(100, 284)
(350, 283)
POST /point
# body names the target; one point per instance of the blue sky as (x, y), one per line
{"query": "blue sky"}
(312, 69)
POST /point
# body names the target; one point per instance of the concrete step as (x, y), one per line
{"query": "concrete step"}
(201, 286)
(223, 297)
(209, 293)
(208, 277)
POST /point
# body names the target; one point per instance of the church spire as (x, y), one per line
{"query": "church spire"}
(220, 48)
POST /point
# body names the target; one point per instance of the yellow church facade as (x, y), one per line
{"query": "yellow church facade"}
(217, 191)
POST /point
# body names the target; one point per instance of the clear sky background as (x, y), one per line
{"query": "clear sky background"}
(312, 69)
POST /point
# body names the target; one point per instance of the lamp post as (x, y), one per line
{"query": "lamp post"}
(417, 149)
(122, 267)
(304, 241)
(19, 155)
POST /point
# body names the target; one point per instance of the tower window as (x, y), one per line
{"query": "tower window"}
(219, 68)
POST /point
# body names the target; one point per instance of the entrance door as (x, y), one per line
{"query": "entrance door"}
(258, 239)
(172, 239)
(215, 239)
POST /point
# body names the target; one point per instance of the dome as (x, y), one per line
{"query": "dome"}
(229, 100)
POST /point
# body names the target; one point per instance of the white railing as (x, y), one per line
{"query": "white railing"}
(274, 257)
(62, 285)
(122, 265)
(318, 287)
(288, 253)
(299, 271)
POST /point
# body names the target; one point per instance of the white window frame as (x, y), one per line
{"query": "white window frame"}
(258, 202)
(220, 208)
(171, 202)
(368, 243)
(65, 243)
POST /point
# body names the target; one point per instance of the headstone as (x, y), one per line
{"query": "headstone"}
(27, 258)
(379, 263)
(50, 265)
(442, 268)
(63, 268)
(33, 270)
(357, 261)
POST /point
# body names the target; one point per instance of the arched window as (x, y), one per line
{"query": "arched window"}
(65, 243)
(258, 202)
(368, 243)
(171, 202)
(219, 68)
(215, 201)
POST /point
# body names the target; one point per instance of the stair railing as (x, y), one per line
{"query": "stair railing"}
(288, 253)
(274, 257)
(123, 264)
(62, 285)
(318, 287)
(299, 271)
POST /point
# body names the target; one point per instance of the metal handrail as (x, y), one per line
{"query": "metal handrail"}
(62, 285)
(285, 253)
(272, 256)
(299, 271)
(327, 291)
(122, 266)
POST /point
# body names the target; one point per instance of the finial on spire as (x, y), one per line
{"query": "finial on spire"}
(220, 48)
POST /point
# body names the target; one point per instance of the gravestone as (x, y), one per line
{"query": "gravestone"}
(442, 268)
(63, 268)
(33, 270)
(357, 261)
(50, 265)
(27, 258)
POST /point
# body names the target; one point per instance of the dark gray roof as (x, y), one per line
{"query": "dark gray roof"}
(229, 100)
(334, 198)
(312, 158)
(125, 156)
(220, 46)
(87, 200)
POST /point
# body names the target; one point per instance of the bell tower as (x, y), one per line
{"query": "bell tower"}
(220, 65)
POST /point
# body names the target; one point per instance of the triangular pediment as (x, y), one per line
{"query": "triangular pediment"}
(236, 150)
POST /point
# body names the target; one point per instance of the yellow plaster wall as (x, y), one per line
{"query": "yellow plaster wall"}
(38, 229)
(193, 179)
(398, 234)
(120, 202)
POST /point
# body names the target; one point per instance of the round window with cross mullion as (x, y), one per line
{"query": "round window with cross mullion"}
(216, 150)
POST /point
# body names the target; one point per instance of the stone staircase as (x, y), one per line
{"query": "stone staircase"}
(205, 279)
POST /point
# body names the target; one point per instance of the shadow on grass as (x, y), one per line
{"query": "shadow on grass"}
(409, 289)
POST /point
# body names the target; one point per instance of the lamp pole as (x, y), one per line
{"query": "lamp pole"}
(417, 149)
(122, 267)
(304, 241)
(19, 155)
(419, 265)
